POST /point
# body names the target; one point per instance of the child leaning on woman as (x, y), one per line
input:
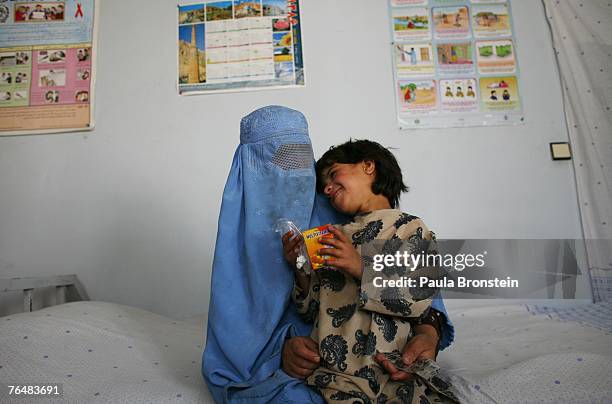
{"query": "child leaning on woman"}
(355, 321)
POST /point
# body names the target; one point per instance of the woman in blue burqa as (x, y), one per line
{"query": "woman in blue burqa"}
(257, 347)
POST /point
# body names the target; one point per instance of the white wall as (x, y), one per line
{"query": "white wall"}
(132, 206)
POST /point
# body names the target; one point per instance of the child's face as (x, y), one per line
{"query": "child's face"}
(349, 186)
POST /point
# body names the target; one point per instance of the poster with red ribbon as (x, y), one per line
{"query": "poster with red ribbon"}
(47, 66)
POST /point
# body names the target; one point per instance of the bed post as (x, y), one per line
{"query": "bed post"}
(66, 286)
(27, 300)
(60, 294)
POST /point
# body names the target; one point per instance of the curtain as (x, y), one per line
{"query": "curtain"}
(582, 38)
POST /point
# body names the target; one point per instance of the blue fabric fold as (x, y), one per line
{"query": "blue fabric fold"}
(250, 313)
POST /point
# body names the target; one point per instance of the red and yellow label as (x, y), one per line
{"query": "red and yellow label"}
(311, 239)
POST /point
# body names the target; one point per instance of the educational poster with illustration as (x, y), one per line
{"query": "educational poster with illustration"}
(47, 69)
(454, 63)
(239, 45)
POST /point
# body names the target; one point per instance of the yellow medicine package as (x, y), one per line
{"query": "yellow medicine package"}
(311, 239)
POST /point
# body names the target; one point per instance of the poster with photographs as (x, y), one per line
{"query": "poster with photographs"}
(47, 69)
(454, 63)
(239, 45)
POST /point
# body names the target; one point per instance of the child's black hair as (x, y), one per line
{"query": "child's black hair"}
(388, 181)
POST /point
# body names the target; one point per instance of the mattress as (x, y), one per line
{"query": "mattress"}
(105, 352)
(513, 354)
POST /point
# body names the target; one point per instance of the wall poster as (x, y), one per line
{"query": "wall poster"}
(239, 45)
(47, 66)
(454, 63)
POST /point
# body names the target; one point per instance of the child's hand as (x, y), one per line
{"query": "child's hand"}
(343, 255)
(422, 345)
(291, 247)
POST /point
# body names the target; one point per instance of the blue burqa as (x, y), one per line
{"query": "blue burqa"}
(250, 313)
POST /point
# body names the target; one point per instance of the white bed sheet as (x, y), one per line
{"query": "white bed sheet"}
(104, 352)
(507, 354)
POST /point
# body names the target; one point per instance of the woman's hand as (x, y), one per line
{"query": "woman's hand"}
(291, 247)
(342, 255)
(291, 250)
(422, 345)
(300, 357)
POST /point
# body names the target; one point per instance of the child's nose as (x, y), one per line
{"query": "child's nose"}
(327, 190)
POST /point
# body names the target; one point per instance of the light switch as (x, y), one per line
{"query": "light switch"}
(560, 151)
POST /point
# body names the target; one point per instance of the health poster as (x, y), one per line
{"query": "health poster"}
(47, 69)
(454, 63)
(239, 45)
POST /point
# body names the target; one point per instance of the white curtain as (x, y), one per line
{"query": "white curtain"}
(582, 37)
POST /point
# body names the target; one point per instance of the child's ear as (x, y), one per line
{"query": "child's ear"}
(369, 167)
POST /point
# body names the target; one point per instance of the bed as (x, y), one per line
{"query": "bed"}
(106, 352)
(516, 354)
(100, 352)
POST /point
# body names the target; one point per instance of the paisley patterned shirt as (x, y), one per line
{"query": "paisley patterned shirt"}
(353, 320)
